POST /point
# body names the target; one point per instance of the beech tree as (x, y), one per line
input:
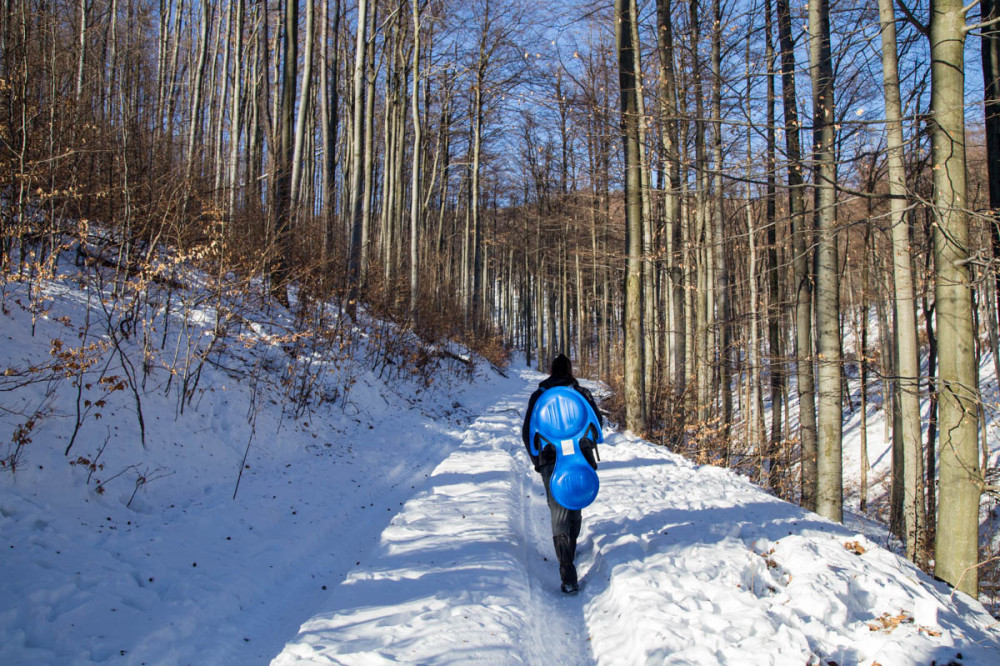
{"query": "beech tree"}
(357, 237)
(672, 278)
(635, 403)
(956, 547)
(907, 350)
(415, 169)
(802, 258)
(829, 490)
(282, 193)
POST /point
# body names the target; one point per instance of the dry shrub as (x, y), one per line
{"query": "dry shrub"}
(492, 348)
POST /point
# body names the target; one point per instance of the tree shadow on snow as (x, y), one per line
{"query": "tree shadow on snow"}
(447, 583)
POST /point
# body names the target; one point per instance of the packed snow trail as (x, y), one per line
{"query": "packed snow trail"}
(455, 578)
(681, 564)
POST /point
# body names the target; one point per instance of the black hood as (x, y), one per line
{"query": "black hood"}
(557, 381)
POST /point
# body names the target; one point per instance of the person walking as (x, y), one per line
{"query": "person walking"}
(566, 523)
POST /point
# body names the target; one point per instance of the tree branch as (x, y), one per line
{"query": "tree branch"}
(912, 20)
(969, 28)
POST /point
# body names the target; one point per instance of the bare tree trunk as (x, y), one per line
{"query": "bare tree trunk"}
(236, 117)
(368, 155)
(166, 16)
(648, 266)
(907, 346)
(357, 157)
(635, 398)
(415, 169)
(581, 312)
(282, 182)
(777, 365)
(219, 83)
(956, 547)
(281, 195)
(689, 284)
(194, 134)
(82, 55)
(673, 353)
(754, 407)
(543, 352)
(305, 106)
(391, 124)
(930, 455)
(702, 312)
(754, 404)
(802, 244)
(721, 283)
(525, 299)
(257, 102)
(171, 88)
(444, 141)
(990, 53)
(862, 355)
(330, 119)
(476, 224)
(829, 468)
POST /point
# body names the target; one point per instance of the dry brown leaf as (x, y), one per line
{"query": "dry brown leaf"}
(855, 547)
(888, 622)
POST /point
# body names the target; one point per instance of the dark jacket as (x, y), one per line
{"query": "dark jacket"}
(547, 455)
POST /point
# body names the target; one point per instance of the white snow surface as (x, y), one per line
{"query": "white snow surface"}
(405, 525)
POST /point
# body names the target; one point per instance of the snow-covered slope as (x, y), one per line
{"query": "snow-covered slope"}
(403, 524)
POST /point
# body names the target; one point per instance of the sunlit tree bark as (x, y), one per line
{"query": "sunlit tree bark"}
(956, 549)
(357, 157)
(673, 354)
(829, 467)
(907, 349)
(635, 390)
(415, 203)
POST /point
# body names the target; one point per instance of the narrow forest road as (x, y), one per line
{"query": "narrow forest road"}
(463, 574)
(681, 564)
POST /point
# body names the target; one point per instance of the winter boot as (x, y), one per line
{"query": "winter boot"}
(565, 553)
(570, 588)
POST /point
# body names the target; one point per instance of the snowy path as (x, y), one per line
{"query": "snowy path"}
(459, 575)
(682, 565)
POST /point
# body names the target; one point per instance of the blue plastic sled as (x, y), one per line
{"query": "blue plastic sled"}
(562, 417)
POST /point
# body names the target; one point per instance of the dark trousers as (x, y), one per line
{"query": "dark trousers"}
(565, 530)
